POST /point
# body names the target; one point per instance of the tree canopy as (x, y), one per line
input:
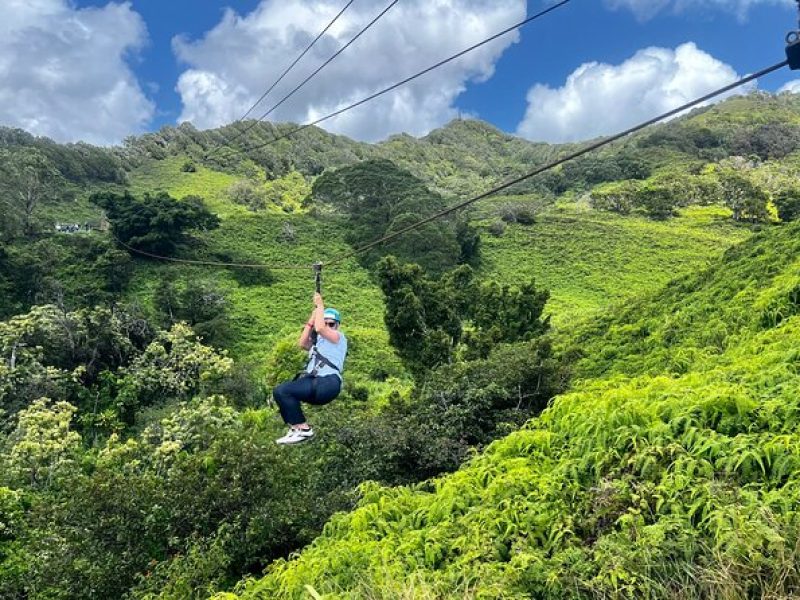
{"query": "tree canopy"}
(380, 198)
(155, 223)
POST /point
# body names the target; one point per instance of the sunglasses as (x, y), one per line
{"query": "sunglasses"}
(331, 323)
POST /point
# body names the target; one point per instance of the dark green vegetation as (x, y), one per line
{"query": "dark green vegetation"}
(154, 223)
(378, 199)
(136, 436)
(426, 316)
(671, 470)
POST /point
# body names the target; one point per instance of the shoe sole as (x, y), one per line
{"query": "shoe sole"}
(296, 441)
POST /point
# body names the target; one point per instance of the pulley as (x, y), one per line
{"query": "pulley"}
(318, 277)
(793, 46)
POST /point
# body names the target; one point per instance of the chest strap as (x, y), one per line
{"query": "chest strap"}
(321, 361)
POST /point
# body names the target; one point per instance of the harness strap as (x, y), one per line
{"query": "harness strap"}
(319, 361)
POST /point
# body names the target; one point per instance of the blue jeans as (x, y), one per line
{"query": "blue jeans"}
(314, 390)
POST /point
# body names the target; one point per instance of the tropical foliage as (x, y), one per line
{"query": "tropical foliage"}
(602, 404)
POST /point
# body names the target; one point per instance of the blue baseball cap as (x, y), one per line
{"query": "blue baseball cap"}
(332, 313)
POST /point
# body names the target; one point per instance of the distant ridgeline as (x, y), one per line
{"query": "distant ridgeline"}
(464, 156)
(469, 155)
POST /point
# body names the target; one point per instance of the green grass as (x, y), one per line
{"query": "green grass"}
(166, 175)
(590, 260)
(640, 483)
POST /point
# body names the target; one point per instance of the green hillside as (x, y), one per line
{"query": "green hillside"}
(636, 307)
(590, 260)
(643, 482)
(586, 258)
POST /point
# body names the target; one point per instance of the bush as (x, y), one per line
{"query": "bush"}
(788, 203)
(246, 193)
(497, 228)
(518, 213)
(155, 223)
(287, 233)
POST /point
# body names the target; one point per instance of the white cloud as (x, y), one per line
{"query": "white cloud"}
(793, 87)
(231, 66)
(63, 72)
(646, 9)
(600, 99)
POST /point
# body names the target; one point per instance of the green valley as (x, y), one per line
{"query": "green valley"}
(585, 387)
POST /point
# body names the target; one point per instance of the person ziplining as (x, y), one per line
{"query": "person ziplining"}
(321, 381)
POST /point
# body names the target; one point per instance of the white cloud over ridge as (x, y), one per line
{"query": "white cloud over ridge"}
(63, 72)
(647, 9)
(231, 66)
(793, 87)
(600, 99)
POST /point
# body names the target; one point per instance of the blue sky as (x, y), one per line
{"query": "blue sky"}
(98, 71)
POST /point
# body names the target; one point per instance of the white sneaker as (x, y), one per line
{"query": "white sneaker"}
(295, 436)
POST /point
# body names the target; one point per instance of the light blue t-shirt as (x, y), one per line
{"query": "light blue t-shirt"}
(333, 352)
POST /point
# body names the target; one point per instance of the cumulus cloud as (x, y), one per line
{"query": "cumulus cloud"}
(793, 87)
(600, 99)
(232, 64)
(647, 9)
(63, 72)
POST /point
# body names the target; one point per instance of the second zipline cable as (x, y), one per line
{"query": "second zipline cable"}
(277, 81)
(409, 79)
(558, 162)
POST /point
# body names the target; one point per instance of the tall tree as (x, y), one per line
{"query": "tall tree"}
(155, 223)
(427, 316)
(27, 178)
(380, 198)
(743, 196)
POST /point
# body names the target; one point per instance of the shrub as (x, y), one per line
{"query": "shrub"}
(788, 203)
(497, 228)
(522, 214)
(246, 193)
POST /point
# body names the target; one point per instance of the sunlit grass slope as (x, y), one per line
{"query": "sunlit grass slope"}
(167, 175)
(588, 259)
(591, 259)
(656, 484)
(262, 312)
(700, 316)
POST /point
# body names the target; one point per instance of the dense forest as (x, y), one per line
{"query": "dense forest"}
(583, 387)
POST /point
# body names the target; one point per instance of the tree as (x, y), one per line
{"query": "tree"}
(767, 141)
(26, 179)
(198, 303)
(660, 195)
(380, 198)
(155, 223)
(173, 366)
(427, 317)
(743, 196)
(616, 197)
(788, 202)
(246, 193)
(42, 445)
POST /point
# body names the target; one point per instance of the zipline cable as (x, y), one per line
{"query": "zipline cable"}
(491, 192)
(209, 263)
(404, 81)
(314, 73)
(282, 75)
(558, 162)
